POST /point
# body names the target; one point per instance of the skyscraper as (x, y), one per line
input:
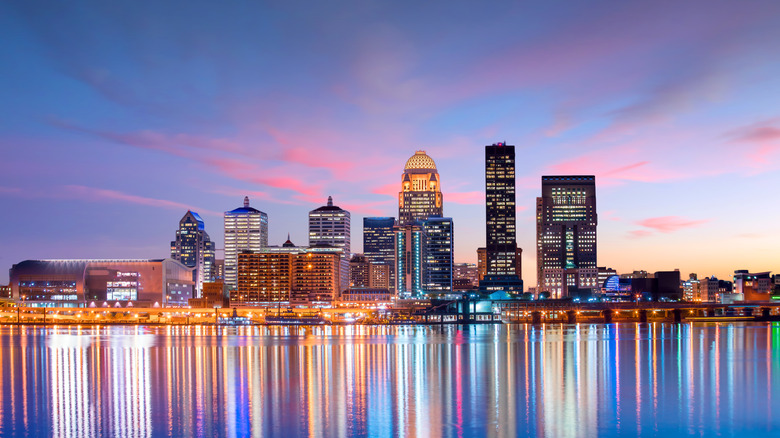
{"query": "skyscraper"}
(409, 252)
(420, 196)
(379, 243)
(500, 233)
(194, 249)
(246, 229)
(330, 225)
(566, 235)
(438, 256)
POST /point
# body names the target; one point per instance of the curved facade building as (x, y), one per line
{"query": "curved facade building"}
(420, 196)
(81, 282)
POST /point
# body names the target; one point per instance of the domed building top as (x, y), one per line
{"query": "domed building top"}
(420, 161)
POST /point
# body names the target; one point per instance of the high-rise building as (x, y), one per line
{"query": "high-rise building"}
(194, 249)
(246, 229)
(566, 235)
(409, 249)
(500, 271)
(420, 196)
(316, 277)
(288, 273)
(330, 225)
(438, 255)
(424, 257)
(379, 243)
(263, 277)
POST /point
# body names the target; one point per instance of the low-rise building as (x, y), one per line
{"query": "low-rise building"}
(88, 282)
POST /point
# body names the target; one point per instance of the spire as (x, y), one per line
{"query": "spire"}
(246, 201)
(330, 201)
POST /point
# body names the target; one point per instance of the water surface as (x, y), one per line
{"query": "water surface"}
(580, 380)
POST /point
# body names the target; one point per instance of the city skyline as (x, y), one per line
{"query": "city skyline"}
(678, 125)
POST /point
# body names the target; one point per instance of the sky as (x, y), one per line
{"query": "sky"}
(118, 117)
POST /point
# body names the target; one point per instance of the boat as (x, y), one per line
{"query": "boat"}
(234, 320)
(295, 319)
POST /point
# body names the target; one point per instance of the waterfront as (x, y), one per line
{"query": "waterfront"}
(552, 380)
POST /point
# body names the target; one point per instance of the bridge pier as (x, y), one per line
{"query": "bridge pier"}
(571, 317)
(677, 315)
(643, 315)
(765, 312)
(709, 312)
(536, 317)
(607, 314)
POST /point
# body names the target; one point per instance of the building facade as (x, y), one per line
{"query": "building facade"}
(465, 276)
(262, 278)
(316, 277)
(330, 225)
(409, 248)
(194, 249)
(501, 252)
(289, 274)
(379, 244)
(752, 286)
(246, 229)
(566, 223)
(83, 282)
(438, 256)
(420, 196)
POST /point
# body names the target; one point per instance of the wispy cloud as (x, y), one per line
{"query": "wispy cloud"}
(668, 224)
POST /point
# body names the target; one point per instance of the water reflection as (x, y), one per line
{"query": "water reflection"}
(504, 381)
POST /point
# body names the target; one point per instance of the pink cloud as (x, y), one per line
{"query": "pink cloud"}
(669, 224)
(390, 189)
(763, 141)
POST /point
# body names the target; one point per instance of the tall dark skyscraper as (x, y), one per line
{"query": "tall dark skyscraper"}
(194, 249)
(501, 244)
(566, 235)
(379, 243)
(438, 256)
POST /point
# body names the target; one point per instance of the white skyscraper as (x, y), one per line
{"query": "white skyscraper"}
(330, 225)
(246, 229)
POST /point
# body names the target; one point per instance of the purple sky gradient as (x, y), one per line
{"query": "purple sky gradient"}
(117, 118)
